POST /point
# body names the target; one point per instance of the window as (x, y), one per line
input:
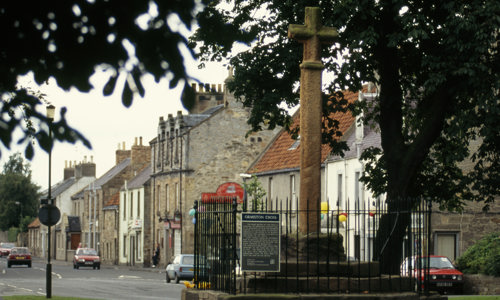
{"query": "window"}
(270, 188)
(138, 204)
(158, 198)
(295, 144)
(446, 244)
(139, 247)
(339, 190)
(124, 246)
(124, 206)
(167, 191)
(177, 198)
(357, 191)
(131, 205)
(293, 193)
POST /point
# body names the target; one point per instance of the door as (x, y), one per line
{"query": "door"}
(75, 240)
(132, 250)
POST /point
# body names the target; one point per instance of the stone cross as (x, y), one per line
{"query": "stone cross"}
(312, 35)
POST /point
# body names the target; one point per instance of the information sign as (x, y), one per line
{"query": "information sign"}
(260, 242)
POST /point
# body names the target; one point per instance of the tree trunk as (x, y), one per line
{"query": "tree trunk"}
(389, 240)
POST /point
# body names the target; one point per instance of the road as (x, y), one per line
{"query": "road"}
(109, 283)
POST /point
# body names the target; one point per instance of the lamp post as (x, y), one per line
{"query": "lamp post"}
(50, 116)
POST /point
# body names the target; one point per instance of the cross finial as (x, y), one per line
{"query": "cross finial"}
(312, 34)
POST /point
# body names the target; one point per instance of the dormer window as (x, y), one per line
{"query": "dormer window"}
(296, 144)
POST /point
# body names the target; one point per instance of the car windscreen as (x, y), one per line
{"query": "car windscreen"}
(86, 252)
(19, 251)
(188, 260)
(437, 263)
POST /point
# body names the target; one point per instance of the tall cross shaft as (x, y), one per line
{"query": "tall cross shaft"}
(312, 35)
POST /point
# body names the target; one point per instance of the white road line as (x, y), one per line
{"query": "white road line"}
(129, 277)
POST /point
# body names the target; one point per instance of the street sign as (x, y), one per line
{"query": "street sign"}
(49, 215)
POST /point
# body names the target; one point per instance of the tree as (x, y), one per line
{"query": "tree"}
(69, 40)
(255, 192)
(18, 194)
(436, 65)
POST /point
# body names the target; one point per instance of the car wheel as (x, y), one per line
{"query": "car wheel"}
(93, 267)
(98, 267)
(8, 265)
(177, 279)
(29, 265)
(167, 277)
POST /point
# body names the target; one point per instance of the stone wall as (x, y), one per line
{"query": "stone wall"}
(481, 285)
(471, 225)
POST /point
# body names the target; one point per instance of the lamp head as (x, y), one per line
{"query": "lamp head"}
(51, 110)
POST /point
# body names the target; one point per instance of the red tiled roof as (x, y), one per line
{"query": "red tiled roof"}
(114, 200)
(279, 156)
(35, 223)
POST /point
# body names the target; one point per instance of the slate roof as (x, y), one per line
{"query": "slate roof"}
(371, 138)
(59, 187)
(112, 173)
(281, 156)
(139, 180)
(79, 194)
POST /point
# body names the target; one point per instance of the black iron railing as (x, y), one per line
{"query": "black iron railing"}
(343, 254)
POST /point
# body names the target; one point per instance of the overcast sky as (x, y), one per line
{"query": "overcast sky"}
(106, 122)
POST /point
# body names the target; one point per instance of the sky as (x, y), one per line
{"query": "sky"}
(105, 122)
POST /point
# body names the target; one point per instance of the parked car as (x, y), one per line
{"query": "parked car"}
(183, 268)
(5, 248)
(86, 257)
(19, 256)
(443, 276)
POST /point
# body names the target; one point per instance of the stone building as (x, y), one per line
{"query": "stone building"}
(64, 236)
(135, 220)
(454, 232)
(196, 153)
(100, 201)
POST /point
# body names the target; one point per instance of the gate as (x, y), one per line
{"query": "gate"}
(215, 243)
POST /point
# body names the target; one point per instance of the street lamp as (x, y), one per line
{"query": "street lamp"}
(50, 116)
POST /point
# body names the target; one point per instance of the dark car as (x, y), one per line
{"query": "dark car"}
(183, 268)
(19, 256)
(5, 248)
(443, 276)
(86, 257)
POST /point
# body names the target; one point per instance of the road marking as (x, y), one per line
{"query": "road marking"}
(129, 277)
(53, 273)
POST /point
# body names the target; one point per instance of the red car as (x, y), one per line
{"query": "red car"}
(86, 257)
(5, 248)
(19, 256)
(443, 276)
